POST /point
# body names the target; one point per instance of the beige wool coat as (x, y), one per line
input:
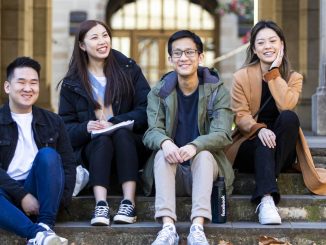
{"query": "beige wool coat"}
(246, 96)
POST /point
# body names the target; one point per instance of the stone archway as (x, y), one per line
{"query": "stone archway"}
(147, 42)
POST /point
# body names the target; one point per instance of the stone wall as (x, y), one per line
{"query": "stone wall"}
(25, 31)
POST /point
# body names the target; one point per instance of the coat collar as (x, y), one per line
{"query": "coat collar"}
(6, 118)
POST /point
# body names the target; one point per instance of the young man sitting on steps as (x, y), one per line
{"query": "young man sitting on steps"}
(188, 140)
(37, 166)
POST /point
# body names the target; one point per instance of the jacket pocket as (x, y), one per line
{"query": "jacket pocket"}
(50, 141)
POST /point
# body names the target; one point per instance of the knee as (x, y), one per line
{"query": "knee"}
(289, 118)
(204, 155)
(159, 159)
(122, 133)
(102, 140)
(203, 158)
(47, 157)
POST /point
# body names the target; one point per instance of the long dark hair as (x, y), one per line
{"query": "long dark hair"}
(119, 84)
(252, 58)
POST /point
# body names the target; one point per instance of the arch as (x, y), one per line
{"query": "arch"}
(144, 36)
(114, 6)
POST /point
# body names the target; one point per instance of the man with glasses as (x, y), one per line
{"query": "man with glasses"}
(189, 121)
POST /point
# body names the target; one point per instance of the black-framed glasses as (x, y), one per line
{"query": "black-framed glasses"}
(190, 53)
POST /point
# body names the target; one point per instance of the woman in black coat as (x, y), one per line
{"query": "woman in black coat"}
(102, 88)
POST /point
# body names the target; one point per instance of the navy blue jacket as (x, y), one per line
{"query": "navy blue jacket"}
(76, 108)
(49, 131)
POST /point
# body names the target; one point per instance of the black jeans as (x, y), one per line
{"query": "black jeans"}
(267, 163)
(123, 147)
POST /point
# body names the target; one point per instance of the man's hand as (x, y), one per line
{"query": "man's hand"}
(187, 152)
(171, 152)
(30, 205)
(267, 137)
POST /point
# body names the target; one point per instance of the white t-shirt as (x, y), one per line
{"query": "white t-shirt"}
(26, 148)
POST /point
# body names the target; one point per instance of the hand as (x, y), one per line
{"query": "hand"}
(278, 61)
(30, 205)
(171, 152)
(95, 125)
(267, 137)
(106, 124)
(187, 152)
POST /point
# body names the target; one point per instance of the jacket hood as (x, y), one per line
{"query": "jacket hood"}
(208, 77)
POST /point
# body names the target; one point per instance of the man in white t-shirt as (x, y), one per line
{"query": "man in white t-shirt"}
(37, 166)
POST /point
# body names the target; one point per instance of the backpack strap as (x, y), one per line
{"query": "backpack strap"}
(210, 104)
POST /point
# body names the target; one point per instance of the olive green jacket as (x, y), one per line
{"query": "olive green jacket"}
(214, 121)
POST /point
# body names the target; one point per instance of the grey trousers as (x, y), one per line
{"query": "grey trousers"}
(173, 180)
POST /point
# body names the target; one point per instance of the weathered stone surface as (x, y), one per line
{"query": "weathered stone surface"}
(288, 183)
(291, 207)
(246, 233)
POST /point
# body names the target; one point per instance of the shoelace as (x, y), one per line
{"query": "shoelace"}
(198, 235)
(101, 211)
(266, 203)
(125, 209)
(166, 234)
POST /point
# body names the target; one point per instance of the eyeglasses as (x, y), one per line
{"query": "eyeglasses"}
(189, 53)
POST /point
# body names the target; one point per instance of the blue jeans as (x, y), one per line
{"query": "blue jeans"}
(45, 182)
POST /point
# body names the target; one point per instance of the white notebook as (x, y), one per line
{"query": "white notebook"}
(107, 131)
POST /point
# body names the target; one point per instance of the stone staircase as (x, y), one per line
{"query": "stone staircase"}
(303, 216)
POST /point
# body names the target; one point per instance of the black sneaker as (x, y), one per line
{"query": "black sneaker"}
(101, 214)
(126, 213)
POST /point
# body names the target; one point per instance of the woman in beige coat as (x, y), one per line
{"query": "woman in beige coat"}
(264, 94)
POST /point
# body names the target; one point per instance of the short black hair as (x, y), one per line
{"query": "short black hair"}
(185, 34)
(21, 62)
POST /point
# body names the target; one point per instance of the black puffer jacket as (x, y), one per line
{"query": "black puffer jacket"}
(76, 109)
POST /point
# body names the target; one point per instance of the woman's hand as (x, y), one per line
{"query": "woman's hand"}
(278, 61)
(96, 125)
(267, 137)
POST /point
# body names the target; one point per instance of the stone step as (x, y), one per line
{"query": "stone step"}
(288, 183)
(291, 208)
(142, 233)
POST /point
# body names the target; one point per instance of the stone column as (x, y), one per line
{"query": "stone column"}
(16, 34)
(42, 31)
(319, 98)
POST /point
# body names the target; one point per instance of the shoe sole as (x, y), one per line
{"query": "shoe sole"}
(122, 219)
(176, 242)
(54, 240)
(63, 241)
(270, 222)
(100, 221)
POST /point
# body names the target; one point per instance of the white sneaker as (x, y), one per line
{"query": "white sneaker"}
(196, 236)
(167, 236)
(47, 237)
(268, 214)
(64, 241)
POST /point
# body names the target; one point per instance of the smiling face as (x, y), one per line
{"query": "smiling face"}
(267, 45)
(22, 89)
(185, 66)
(97, 43)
